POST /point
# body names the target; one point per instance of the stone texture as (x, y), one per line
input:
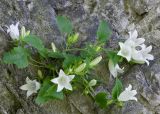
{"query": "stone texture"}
(39, 17)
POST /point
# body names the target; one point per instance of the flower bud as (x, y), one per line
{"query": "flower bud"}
(95, 61)
(92, 82)
(23, 32)
(80, 68)
(53, 47)
(40, 74)
(98, 48)
(72, 39)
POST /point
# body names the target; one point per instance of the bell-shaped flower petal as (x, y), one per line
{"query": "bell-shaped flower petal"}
(143, 55)
(133, 34)
(133, 41)
(137, 57)
(63, 81)
(31, 86)
(128, 94)
(146, 55)
(13, 31)
(114, 69)
(125, 51)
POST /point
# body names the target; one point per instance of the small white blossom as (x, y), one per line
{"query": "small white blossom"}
(143, 55)
(125, 51)
(114, 69)
(128, 94)
(133, 41)
(63, 81)
(31, 86)
(13, 31)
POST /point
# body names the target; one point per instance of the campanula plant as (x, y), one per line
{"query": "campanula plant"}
(61, 71)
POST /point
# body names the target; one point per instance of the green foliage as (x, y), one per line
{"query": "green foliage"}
(90, 52)
(17, 56)
(114, 57)
(101, 99)
(117, 89)
(64, 24)
(48, 92)
(56, 55)
(34, 41)
(72, 39)
(70, 60)
(73, 61)
(103, 32)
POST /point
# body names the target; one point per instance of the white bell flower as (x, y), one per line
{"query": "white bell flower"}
(114, 69)
(128, 94)
(125, 51)
(137, 57)
(143, 55)
(31, 87)
(13, 31)
(63, 81)
(133, 41)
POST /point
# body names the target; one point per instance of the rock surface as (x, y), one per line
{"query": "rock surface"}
(122, 15)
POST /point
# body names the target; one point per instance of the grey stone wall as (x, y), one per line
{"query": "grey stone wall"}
(39, 17)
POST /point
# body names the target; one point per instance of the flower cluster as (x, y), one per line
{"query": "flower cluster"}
(134, 49)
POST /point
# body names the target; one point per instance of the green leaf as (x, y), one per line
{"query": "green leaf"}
(64, 24)
(56, 55)
(114, 57)
(52, 92)
(49, 53)
(90, 52)
(103, 32)
(117, 89)
(34, 41)
(17, 56)
(70, 60)
(101, 99)
(44, 52)
(48, 92)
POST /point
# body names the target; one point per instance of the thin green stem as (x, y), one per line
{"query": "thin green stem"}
(91, 91)
(37, 62)
(75, 49)
(37, 65)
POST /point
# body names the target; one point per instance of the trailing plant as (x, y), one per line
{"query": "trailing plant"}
(61, 71)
